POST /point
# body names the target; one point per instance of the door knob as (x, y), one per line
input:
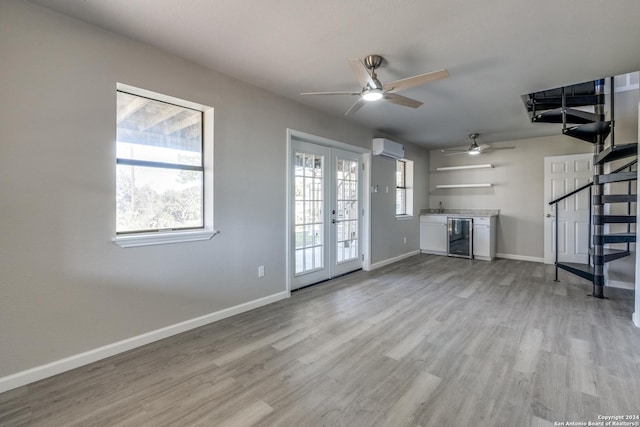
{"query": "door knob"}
(549, 215)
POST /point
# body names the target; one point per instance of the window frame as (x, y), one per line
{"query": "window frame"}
(190, 234)
(406, 189)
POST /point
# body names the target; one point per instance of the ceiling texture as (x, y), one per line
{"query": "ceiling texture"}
(495, 51)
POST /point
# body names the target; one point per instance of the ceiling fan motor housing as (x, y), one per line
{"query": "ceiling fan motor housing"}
(373, 61)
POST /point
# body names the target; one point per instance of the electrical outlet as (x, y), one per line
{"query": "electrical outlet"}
(261, 271)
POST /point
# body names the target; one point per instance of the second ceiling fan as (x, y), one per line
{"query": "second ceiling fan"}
(474, 148)
(373, 89)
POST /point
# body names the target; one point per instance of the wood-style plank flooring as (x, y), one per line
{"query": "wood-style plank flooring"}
(428, 341)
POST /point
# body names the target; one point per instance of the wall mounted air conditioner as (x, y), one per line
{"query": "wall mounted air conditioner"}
(387, 148)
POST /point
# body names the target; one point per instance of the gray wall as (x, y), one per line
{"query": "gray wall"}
(518, 191)
(65, 287)
(383, 206)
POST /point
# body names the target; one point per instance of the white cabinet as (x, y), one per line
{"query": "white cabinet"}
(433, 234)
(484, 242)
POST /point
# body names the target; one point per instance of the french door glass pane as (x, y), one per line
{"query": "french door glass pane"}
(347, 210)
(308, 215)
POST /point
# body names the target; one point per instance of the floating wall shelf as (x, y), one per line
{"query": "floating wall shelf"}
(463, 185)
(455, 168)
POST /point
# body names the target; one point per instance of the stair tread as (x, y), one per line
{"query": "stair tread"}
(617, 152)
(589, 132)
(613, 219)
(609, 255)
(577, 265)
(583, 270)
(614, 238)
(616, 177)
(607, 251)
(619, 198)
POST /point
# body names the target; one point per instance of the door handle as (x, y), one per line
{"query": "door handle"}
(333, 221)
(549, 216)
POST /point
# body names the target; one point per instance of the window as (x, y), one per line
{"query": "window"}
(161, 178)
(404, 188)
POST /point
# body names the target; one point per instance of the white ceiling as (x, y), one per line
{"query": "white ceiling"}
(495, 51)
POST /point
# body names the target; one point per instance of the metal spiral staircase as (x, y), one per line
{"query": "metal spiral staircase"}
(562, 105)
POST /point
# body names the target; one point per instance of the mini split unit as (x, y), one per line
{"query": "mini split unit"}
(387, 148)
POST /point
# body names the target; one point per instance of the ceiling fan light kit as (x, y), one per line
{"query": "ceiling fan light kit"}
(373, 90)
(372, 94)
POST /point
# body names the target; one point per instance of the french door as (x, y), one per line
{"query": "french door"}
(326, 212)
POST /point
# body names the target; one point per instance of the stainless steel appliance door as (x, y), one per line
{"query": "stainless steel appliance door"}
(460, 241)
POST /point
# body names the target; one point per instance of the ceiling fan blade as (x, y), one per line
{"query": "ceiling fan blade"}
(502, 148)
(355, 107)
(410, 82)
(454, 150)
(360, 70)
(402, 100)
(459, 152)
(330, 93)
(484, 147)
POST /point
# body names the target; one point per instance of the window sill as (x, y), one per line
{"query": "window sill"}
(404, 217)
(163, 238)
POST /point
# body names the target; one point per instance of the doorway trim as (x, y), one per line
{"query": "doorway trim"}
(365, 155)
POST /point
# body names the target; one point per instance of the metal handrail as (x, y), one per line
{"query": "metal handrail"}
(556, 244)
(620, 169)
(577, 190)
(590, 225)
(628, 165)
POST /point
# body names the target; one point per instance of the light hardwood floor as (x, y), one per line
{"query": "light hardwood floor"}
(429, 341)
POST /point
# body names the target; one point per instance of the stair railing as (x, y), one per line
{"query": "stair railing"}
(588, 185)
(612, 106)
(629, 190)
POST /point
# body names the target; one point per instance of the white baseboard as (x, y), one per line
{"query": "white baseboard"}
(50, 369)
(621, 284)
(521, 257)
(636, 319)
(392, 260)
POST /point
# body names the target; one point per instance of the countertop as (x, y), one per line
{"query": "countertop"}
(461, 212)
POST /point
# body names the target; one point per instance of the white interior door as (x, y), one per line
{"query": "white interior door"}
(326, 219)
(563, 174)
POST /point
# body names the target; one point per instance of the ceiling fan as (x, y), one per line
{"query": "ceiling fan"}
(474, 148)
(374, 90)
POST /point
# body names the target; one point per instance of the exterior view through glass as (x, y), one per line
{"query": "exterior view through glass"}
(159, 170)
(308, 214)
